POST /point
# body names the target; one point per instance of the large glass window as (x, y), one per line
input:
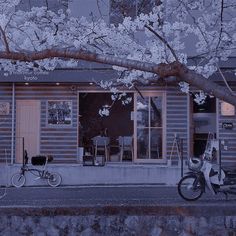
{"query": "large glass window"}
(149, 127)
(117, 125)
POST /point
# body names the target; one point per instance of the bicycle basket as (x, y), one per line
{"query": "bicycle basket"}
(40, 160)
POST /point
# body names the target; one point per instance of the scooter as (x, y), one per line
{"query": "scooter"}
(205, 174)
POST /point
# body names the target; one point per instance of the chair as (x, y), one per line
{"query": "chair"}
(126, 145)
(101, 146)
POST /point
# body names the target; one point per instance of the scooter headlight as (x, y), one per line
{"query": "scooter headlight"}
(195, 164)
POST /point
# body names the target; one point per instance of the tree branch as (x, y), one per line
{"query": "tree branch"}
(195, 22)
(176, 69)
(164, 70)
(4, 38)
(225, 81)
(206, 85)
(221, 23)
(163, 41)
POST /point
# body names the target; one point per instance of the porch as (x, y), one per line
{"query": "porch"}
(110, 174)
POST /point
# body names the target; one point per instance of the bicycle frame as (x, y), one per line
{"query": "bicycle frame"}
(42, 174)
(37, 172)
(18, 179)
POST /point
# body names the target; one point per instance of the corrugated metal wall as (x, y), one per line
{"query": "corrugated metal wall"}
(5, 124)
(176, 120)
(228, 150)
(61, 142)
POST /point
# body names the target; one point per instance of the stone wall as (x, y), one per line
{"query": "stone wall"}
(58, 222)
(117, 226)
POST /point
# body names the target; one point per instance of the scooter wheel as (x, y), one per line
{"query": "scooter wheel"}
(190, 188)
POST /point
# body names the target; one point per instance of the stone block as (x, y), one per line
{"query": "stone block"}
(230, 222)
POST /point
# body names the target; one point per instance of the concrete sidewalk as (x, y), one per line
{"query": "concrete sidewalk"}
(77, 174)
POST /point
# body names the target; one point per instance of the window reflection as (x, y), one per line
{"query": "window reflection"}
(142, 141)
(156, 144)
(142, 112)
(156, 113)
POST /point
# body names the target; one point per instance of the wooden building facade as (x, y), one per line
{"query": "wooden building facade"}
(38, 117)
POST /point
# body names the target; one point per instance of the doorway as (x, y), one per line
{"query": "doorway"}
(202, 122)
(27, 127)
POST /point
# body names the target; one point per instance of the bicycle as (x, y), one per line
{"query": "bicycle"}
(53, 179)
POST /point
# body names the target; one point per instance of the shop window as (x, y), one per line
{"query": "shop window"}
(59, 112)
(204, 122)
(91, 123)
(209, 106)
(149, 127)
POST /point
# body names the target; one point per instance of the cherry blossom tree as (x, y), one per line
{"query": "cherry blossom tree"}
(173, 34)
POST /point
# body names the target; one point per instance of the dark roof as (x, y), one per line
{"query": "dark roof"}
(67, 75)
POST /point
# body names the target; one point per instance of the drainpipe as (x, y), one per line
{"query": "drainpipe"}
(12, 122)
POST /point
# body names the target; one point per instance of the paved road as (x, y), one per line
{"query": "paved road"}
(103, 196)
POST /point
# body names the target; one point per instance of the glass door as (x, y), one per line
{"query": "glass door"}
(149, 127)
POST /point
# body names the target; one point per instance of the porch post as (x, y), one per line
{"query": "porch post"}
(12, 122)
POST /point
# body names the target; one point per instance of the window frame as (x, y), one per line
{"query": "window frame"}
(151, 93)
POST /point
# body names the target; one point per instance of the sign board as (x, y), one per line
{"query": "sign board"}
(227, 125)
(227, 109)
(4, 108)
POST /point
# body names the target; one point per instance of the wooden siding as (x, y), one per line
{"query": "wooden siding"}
(61, 142)
(176, 120)
(5, 124)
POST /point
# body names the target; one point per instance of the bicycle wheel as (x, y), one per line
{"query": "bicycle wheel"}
(54, 179)
(190, 188)
(3, 191)
(18, 180)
